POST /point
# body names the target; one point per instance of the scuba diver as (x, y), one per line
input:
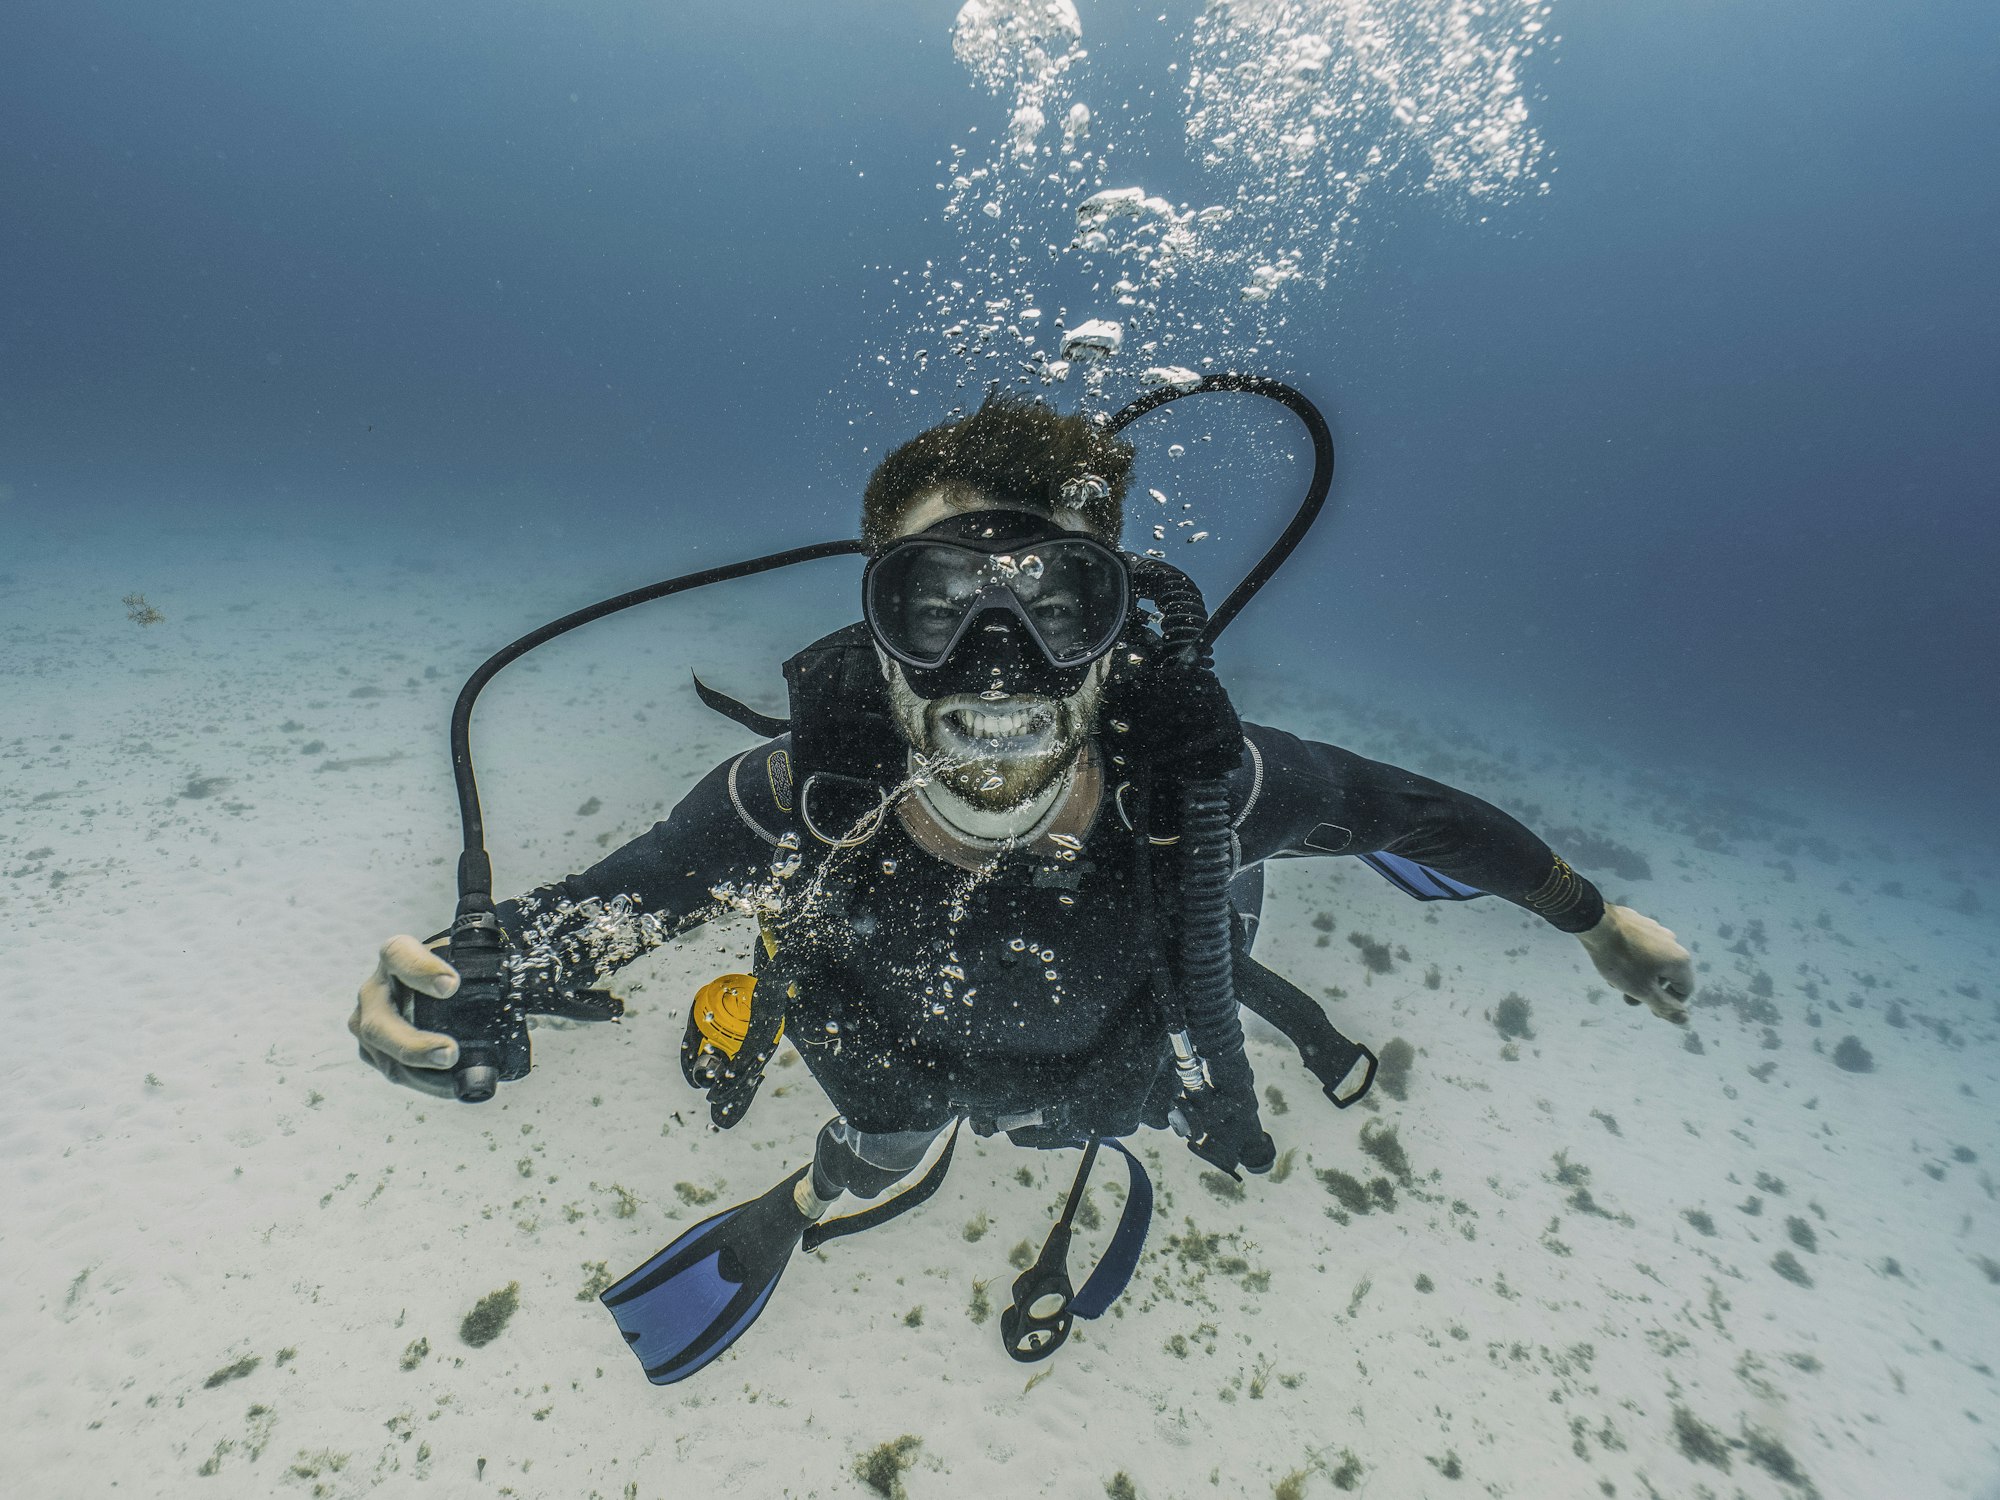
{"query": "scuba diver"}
(1005, 857)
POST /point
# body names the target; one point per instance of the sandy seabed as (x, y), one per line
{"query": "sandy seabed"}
(1607, 1257)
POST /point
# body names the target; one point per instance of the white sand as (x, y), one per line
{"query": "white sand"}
(197, 1171)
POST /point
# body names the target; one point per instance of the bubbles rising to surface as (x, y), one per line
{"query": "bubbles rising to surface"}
(1014, 45)
(1073, 267)
(1098, 338)
(1022, 49)
(1305, 109)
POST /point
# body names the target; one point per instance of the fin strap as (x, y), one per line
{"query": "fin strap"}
(1121, 1256)
(1030, 1334)
(832, 1229)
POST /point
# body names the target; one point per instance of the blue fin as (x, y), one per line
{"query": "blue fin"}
(697, 1297)
(1420, 881)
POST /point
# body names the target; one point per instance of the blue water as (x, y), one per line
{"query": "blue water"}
(1698, 446)
(1686, 462)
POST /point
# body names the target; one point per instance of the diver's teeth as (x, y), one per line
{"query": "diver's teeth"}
(985, 724)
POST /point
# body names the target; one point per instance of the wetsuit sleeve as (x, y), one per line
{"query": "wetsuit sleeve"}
(572, 933)
(1309, 798)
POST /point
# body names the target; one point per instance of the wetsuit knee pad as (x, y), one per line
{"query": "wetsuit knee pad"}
(847, 1160)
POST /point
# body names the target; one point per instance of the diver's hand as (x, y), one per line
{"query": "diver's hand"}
(1221, 1122)
(1643, 961)
(416, 1059)
(1177, 717)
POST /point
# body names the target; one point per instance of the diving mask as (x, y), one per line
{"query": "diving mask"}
(996, 600)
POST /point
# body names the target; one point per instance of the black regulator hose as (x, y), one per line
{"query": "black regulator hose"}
(1316, 491)
(1205, 947)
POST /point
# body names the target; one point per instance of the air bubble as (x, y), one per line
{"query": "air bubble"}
(1084, 489)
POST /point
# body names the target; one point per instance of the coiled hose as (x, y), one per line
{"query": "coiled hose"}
(1205, 971)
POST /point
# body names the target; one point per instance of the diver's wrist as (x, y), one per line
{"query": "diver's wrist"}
(1603, 933)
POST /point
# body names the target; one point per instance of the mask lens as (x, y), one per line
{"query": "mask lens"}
(1069, 591)
(919, 595)
(1074, 597)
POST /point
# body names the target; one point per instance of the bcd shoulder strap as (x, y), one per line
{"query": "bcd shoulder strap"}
(840, 721)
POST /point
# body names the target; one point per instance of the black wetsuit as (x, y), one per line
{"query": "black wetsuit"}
(927, 991)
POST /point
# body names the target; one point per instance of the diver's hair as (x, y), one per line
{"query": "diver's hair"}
(1025, 455)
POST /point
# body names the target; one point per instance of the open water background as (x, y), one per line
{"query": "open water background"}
(1696, 451)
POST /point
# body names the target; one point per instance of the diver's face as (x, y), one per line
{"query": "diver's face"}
(995, 752)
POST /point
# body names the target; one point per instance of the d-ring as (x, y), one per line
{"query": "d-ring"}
(862, 830)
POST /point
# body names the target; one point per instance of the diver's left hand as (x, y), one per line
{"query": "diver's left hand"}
(1643, 961)
(1221, 1122)
(1178, 718)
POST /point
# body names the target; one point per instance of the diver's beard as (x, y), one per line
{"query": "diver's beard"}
(995, 755)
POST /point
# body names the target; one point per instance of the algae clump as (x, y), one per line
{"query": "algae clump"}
(490, 1315)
